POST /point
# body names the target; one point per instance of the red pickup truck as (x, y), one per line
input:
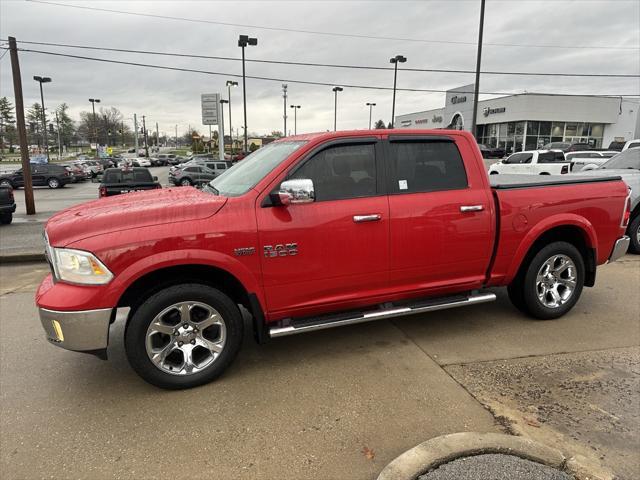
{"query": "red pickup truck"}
(318, 231)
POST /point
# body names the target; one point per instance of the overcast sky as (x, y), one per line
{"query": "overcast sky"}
(171, 97)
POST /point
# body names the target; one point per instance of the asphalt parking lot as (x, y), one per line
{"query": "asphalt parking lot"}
(336, 404)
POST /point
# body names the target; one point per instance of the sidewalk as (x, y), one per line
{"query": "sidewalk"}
(22, 240)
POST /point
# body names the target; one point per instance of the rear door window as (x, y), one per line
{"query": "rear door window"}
(340, 172)
(550, 157)
(426, 166)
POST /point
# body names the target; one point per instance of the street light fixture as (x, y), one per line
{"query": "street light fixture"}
(231, 83)
(295, 118)
(95, 130)
(370, 105)
(395, 60)
(335, 106)
(42, 80)
(243, 41)
(222, 102)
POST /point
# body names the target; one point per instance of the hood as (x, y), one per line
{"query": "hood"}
(131, 210)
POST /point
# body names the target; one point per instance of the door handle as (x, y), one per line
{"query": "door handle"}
(374, 217)
(472, 208)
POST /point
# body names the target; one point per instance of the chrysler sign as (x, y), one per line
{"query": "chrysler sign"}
(456, 99)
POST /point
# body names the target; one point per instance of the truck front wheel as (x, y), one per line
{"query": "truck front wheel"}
(551, 283)
(634, 232)
(183, 336)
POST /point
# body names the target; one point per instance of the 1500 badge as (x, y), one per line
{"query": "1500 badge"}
(280, 250)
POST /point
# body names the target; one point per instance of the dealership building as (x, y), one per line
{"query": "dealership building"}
(528, 121)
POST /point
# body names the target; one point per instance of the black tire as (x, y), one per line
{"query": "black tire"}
(5, 183)
(6, 218)
(53, 183)
(523, 291)
(633, 230)
(494, 173)
(186, 182)
(136, 335)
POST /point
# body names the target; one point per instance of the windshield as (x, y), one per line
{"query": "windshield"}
(627, 159)
(245, 175)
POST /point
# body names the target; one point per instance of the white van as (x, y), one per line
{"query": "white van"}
(533, 162)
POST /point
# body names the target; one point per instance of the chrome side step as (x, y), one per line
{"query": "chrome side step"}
(331, 321)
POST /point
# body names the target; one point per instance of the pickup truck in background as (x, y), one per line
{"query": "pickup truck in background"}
(533, 162)
(318, 231)
(588, 160)
(116, 181)
(7, 205)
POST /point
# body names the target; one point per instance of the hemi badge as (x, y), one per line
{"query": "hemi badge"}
(242, 252)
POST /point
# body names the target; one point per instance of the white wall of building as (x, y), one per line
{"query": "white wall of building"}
(627, 125)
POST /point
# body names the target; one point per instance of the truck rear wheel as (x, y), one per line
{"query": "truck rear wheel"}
(551, 284)
(183, 336)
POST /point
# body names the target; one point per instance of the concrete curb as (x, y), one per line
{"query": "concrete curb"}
(22, 258)
(440, 450)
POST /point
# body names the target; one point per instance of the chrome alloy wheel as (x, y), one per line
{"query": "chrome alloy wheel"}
(556, 281)
(185, 338)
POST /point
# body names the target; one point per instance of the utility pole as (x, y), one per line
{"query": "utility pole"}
(221, 135)
(144, 132)
(284, 97)
(22, 129)
(157, 136)
(476, 86)
(135, 127)
(122, 131)
(176, 135)
(59, 143)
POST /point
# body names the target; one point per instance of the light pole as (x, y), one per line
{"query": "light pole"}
(42, 80)
(370, 105)
(176, 135)
(231, 83)
(395, 60)
(243, 41)
(95, 130)
(58, 129)
(295, 118)
(335, 106)
(222, 102)
(284, 98)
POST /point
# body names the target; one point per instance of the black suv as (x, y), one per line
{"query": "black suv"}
(53, 176)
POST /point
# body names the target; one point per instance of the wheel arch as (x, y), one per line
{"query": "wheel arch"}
(211, 275)
(580, 234)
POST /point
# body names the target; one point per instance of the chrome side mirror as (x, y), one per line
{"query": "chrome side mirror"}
(296, 191)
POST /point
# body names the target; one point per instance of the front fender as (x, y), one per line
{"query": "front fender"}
(554, 221)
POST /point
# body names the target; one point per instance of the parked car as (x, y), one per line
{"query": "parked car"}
(78, 174)
(116, 181)
(162, 159)
(191, 175)
(567, 146)
(219, 166)
(626, 165)
(142, 162)
(336, 229)
(588, 160)
(491, 152)
(7, 204)
(90, 167)
(47, 174)
(535, 162)
(631, 144)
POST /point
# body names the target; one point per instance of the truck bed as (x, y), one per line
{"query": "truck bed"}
(511, 181)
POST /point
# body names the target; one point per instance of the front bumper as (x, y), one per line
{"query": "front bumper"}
(619, 248)
(80, 331)
(8, 208)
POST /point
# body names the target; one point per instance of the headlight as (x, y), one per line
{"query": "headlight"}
(77, 266)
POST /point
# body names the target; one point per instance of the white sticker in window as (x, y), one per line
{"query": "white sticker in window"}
(402, 184)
